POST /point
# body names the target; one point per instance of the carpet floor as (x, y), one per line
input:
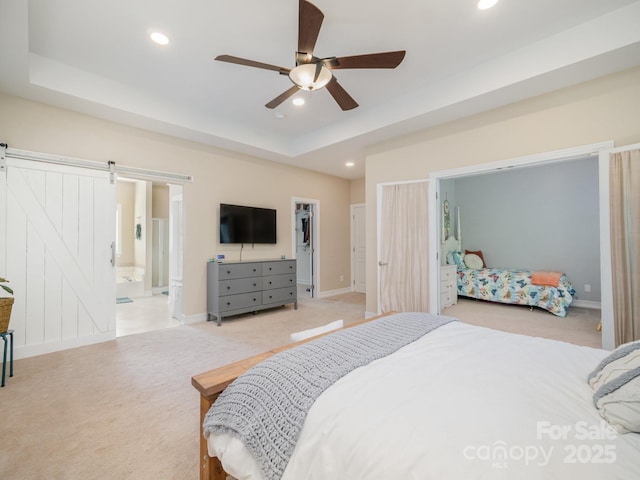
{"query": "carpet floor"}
(125, 409)
(579, 326)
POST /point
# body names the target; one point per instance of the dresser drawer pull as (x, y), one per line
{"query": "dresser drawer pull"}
(228, 288)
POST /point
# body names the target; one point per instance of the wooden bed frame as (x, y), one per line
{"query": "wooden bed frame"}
(212, 383)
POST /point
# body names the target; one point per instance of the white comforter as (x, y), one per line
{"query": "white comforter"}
(463, 402)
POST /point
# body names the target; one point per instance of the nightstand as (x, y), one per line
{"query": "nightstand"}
(448, 286)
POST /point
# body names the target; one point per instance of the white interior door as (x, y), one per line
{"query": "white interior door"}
(359, 248)
(59, 254)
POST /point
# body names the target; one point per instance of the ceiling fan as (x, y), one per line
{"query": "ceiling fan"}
(313, 73)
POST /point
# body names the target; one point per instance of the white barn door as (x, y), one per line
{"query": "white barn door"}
(58, 241)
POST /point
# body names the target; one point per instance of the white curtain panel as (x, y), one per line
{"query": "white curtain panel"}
(624, 186)
(404, 247)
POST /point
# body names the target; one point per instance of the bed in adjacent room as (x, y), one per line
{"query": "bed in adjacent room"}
(516, 286)
(549, 290)
(455, 402)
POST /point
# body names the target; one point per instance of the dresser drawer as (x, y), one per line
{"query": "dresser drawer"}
(239, 270)
(278, 281)
(279, 268)
(447, 274)
(445, 299)
(448, 283)
(240, 285)
(243, 300)
(279, 295)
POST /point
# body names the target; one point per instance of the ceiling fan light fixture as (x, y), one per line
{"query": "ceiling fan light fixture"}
(303, 76)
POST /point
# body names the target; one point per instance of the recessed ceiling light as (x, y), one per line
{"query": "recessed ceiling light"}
(298, 101)
(485, 4)
(159, 38)
(279, 115)
(349, 164)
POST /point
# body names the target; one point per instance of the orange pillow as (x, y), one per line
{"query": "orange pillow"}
(478, 253)
(550, 279)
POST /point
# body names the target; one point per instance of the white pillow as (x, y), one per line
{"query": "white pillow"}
(625, 357)
(616, 381)
(618, 401)
(615, 368)
(473, 261)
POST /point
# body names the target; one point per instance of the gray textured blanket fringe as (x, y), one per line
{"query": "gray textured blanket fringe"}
(266, 407)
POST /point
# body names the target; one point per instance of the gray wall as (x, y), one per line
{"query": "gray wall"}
(537, 218)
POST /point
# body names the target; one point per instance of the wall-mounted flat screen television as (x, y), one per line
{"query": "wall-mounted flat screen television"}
(242, 224)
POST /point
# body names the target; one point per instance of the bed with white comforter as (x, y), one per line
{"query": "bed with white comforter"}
(462, 402)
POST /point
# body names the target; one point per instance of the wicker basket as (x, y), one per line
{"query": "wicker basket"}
(5, 313)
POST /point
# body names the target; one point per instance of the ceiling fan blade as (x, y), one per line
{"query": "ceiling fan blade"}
(282, 97)
(340, 95)
(373, 60)
(309, 22)
(251, 63)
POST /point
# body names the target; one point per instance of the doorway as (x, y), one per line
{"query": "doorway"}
(435, 207)
(305, 245)
(144, 257)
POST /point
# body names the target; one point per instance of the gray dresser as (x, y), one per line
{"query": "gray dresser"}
(243, 287)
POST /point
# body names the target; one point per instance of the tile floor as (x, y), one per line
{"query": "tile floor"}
(144, 314)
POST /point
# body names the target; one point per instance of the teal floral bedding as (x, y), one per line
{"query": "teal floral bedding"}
(514, 286)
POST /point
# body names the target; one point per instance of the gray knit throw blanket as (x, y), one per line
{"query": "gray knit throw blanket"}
(266, 406)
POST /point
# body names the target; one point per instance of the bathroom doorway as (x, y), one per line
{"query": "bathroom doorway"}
(144, 299)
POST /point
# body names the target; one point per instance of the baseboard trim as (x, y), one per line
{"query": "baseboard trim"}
(370, 315)
(331, 293)
(27, 351)
(191, 319)
(587, 304)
